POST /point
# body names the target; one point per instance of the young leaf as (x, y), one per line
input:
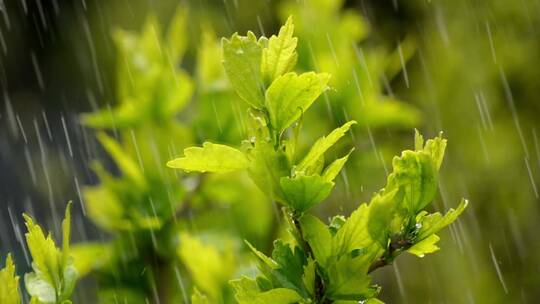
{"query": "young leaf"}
(415, 174)
(322, 145)
(54, 276)
(330, 172)
(303, 192)
(242, 62)
(280, 56)
(210, 157)
(427, 245)
(433, 223)
(381, 215)
(9, 283)
(290, 95)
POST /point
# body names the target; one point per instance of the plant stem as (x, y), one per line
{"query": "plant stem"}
(394, 249)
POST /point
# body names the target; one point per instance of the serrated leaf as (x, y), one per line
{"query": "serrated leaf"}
(290, 95)
(280, 56)
(303, 192)
(425, 246)
(348, 278)
(242, 61)
(290, 267)
(211, 157)
(416, 176)
(9, 283)
(198, 298)
(54, 276)
(318, 236)
(44, 253)
(436, 147)
(322, 145)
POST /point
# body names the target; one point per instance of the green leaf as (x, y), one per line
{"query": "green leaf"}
(310, 275)
(242, 62)
(209, 267)
(266, 167)
(43, 291)
(348, 278)
(382, 217)
(433, 223)
(425, 246)
(436, 147)
(280, 56)
(9, 283)
(66, 233)
(322, 145)
(210, 157)
(248, 292)
(265, 259)
(84, 256)
(290, 95)
(54, 276)
(353, 234)
(303, 192)
(318, 236)
(198, 298)
(127, 165)
(177, 35)
(44, 253)
(330, 172)
(415, 175)
(290, 267)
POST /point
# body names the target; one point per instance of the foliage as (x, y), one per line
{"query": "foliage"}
(9, 283)
(54, 274)
(321, 265)
(174, 237)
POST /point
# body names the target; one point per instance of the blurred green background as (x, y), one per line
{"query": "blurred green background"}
(467, 68)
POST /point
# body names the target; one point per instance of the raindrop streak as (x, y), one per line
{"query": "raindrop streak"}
(533, 183)
(510, 100)
(37, 71)
(67, 136)
(81, 200)
(181, 284)
(499, 274)
(21, 128)
(488, 30)
(403, 66)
